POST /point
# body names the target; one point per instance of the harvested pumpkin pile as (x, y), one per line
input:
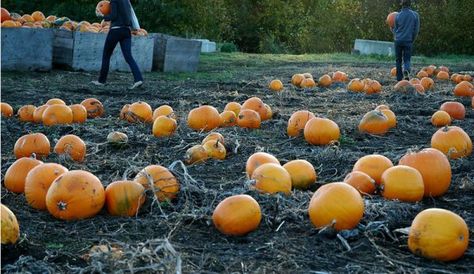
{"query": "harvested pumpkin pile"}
(264, 171)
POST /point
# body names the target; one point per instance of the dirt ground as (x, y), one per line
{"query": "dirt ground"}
(180, 237)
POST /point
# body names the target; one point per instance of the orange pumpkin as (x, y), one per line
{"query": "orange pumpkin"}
(5, 15)
(326, 209)
(248, 118)
(164, 110)
(453, 141)
(433, 166)
(204, 118)
(124, 198)
(55, 101)
(298, 121)
(215, 149)
(321, 131)
(372, 86)
(464, 89)
(325, 81)
(79, 113)
(440, 119)
(443, 68)
(302, 173)
(430, 70)
(237, 215)
(38, 16)
(296, 79)
(228, 119)
(160, 180)
(356, 85)
(391, 117)
(276, 85)
(257, 159)
(9, 224)
(419, 88)
(454, 76)
(234, 107)
(269, 113)
(15, 175)
(57, 115)
(51, 18)
(467, 77)
(9, 24)
(455, 109)
(458, 79)
(404, 86)
(442, 75)
(6, 109)
(391, 19)
(72, 146)
(103, 7)
(374, 122)
(422, 74)
(255, 104)
(124, 112)
(28, 18)
(307, 83)
(38, 113)
(75, 195)
(195, 154)
(360, 181)
(28, 144)
(164, 126)
(427, 83)
(38, 181)
(272, 178)
(140, 112)
(402, 183)
(393, 72)
(25, 113)
(438, 234)
(415, 81)
(373, 165)
(213, 136)
(94, 107)
(339, 76)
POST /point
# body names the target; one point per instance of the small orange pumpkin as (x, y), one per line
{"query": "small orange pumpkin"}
(269, 113)
(248, 118)
(430, 70)
(440, 119)
(15, 175)
(160, 180)
(391, 19)
(94, 107)
(38, 113)
(404, 86)
(25, 113)
(28, 144)
(442, 75)
(415, 81)
(467, 77)
(326, 209)
(325, 81)
(213, 136)
(255, 104)
(402, 183)
(272, 178)
(393, 72)
(373, 165)
(456, 110)
(6, 109)
(234, 107)
(71, 145)
(237, 215)
(204, 118)
(9, 224)
(195, 154)
(55, 101)
(374, 122)
(360, 181)
(275, 85)
(443, 68)
(307, 83)
(296, 79)
(372, 86)
(339, 76)
(257, 159)
(215, 149)
(103, 7)
(124, 198)
(422, 74)
(321, 131)
(139, 112)
(228, 119)
(427, 83)
(164, 110)
(298, 121)
(391, 117)
(38, 16)
(464, 89)
(124, 112)
(79, 113)
(302, 173)
(453, 141)
(356, 85)
(57, 115)
(164, 126)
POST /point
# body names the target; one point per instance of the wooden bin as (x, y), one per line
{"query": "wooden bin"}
(27, 49)
(175, 54)
(83, 51)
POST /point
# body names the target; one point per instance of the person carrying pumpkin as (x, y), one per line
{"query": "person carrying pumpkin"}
(122, 20)
(405, 31)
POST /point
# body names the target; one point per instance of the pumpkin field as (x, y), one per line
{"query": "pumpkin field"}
(181, 231)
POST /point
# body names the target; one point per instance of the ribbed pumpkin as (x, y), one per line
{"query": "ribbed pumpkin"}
(139, 112)
(321, 131)
(164, 110)
(453, 141)
(422, 74)
(248, 118)
(195, 154)
(28, 144)
(442, 75)
(302, 173)
(307, 83)
(234, 107)
(372, 86)
(325, 81)
(272, 178)
(438, 234)
(275, 85)
(124, 198)
(456, 110)
(213, 136)
(15, 175)
(427, 83)
(360, 181)
(75, 195)
(327, 209)
(391, 19)
(339, 76)
(71, 145)
(164, 126)
(402, 183)
(55, 101)
(374, 122)
(297, 122)
(228, 118)
(237, 215)
(433, 166)
(296, 79)
(9, 223)
(373, 165)
(160, 180)
(38, 181)
(38, 113)
(79, 113)
(441, 118)
(94, 107)
(255, 104)
(103, 7)
(215, 149)
(25, 113)
(204, 118)
(404, 86)
(57, 115)
(257, 159)
(464, 89)
(6, 109)
(356, 85)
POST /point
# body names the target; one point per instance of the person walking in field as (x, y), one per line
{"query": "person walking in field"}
(121, 18)
(405, 30)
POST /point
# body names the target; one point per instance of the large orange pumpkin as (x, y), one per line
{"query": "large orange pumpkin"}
(15, 175)
(204, 118)
(296, 79)
(103, 7)
(140, 112)
(124, 198)
(464, 89)
(302, 173)
(94, 107)
(438, 234)
(164, 126)
(234, 107)
(325, 81)
(255, 104)
(433, 166)
(248, 118)
(228, 118)
(372, 86)
(38, 181)
(72, 146)
(79, 113)
(160, 180)
(272, 178)
(321, 131)
(441, 118)
(5, 15)
(453, 141)
(25, 113)
(339, 76)
(75, 195)
(237, 215)
(276, 85)
(427, 83)
(356, 85)
(402, 183)
(360, 181)
(373, 165)
(28, 144)
(57, 115)
(327, 209)
(215, 149)
(298, 121)
(195, 155)
(442, 75)
(375, 122)
(6, 109)
(9, 223)
(164, 110)
(257, 159)
(455, 109)
(307, 83)
(391, 19)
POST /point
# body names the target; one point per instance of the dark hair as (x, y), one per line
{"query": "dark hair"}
(406, 3)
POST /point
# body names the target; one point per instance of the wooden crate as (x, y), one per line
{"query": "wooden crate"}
(83, 51)
(175, 54)
(27, 49)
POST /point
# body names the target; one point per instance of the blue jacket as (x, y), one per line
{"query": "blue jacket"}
(407, 25)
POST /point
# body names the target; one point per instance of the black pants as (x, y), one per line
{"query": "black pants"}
(124, 36)
(403, 51)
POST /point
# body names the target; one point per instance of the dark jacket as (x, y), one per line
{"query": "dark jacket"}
(407, 25)
(120, 13)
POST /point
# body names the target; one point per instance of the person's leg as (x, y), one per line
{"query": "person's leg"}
(407, 57)
(398, 58)
(109, 46)
(126, 46)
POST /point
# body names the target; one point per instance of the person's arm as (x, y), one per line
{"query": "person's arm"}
(417, 27)
(113, 11)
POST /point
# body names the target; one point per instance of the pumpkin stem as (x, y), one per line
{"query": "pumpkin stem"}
(62, 205)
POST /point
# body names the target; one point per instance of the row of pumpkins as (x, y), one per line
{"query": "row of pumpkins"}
(38, 20)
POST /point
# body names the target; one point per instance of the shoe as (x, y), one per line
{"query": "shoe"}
(97, 83)
(406, 75)
(136, 85)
